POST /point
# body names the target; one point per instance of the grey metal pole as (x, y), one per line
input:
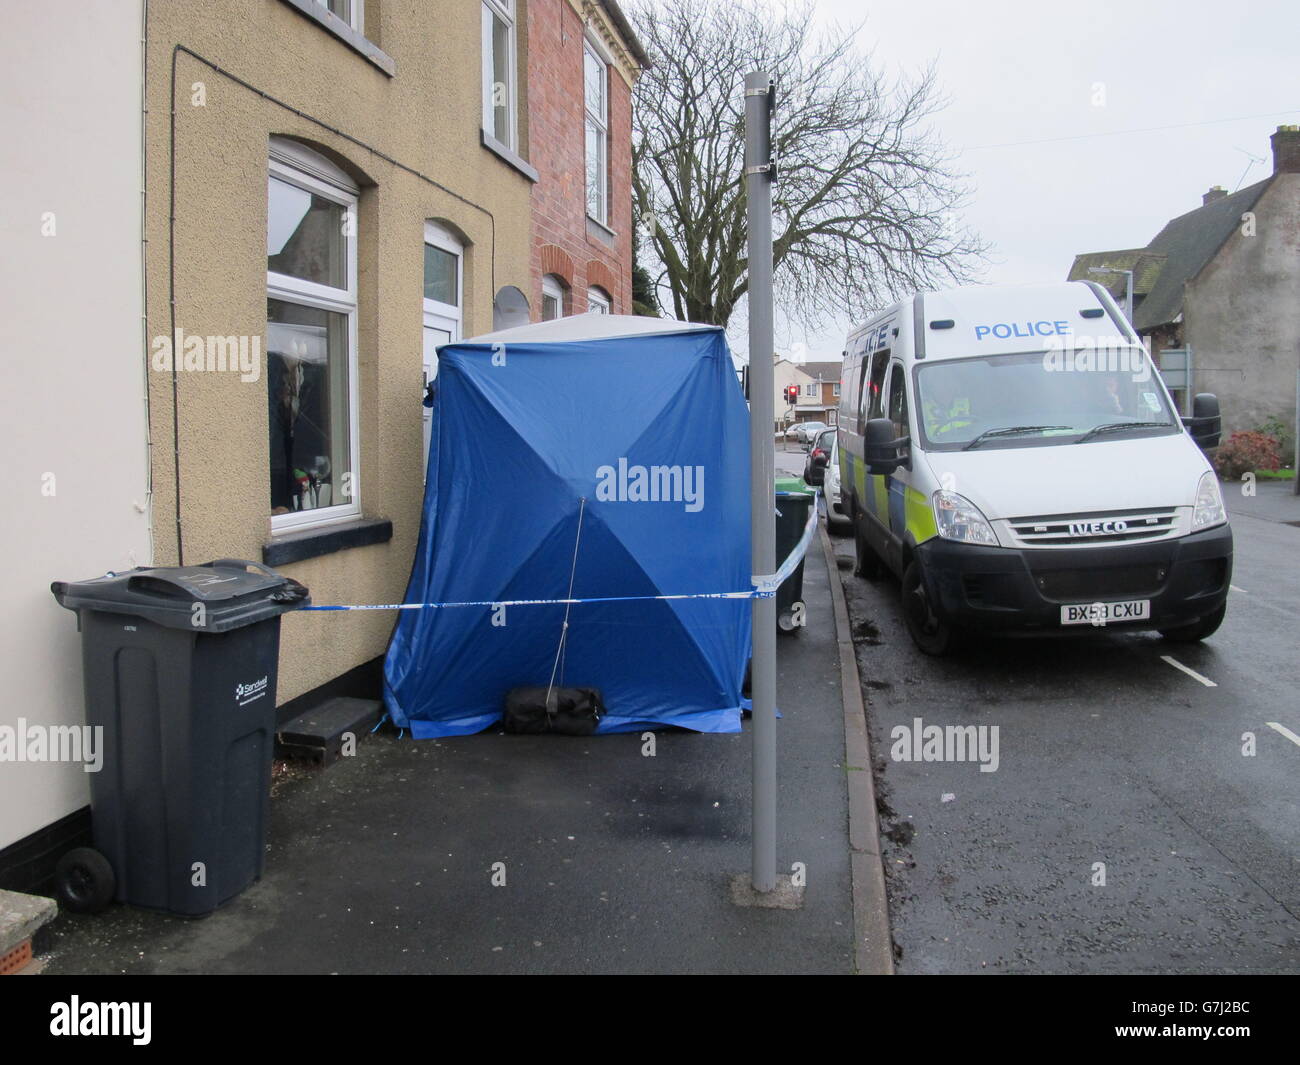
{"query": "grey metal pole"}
(1128, 296)
(762, 472)
(1295, 439)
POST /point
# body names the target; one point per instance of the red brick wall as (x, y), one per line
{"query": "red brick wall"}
(557, 149)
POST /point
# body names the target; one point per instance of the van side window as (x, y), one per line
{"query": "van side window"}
(875, 393)
(857, 381)
(851, 394)
(898, 401)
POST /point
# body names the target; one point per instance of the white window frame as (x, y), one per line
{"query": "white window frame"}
(598, 302)
(304, 169)
(504, 10)
(591, 47)
(552, 289)
(447, 317)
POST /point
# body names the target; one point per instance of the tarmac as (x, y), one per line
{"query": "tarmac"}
(522, 854)
(1269, 500)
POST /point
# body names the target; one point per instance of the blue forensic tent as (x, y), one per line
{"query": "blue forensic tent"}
(637, 429)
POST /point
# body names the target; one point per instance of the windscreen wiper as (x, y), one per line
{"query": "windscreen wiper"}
(1012, 430)
(1114, 427)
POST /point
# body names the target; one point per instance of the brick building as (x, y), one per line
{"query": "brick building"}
(583, 61)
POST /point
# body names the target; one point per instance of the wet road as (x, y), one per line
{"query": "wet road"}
(1139, 819)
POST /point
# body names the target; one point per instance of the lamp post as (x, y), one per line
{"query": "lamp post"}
(1128, 291)
(758, 178)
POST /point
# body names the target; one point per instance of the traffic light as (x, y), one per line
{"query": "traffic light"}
(792, 394)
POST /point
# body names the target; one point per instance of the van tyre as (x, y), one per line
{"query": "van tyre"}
(866, 563)
(84, 880)
(1197, 630)
(931, 634)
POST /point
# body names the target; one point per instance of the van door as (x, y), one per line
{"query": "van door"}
(849, 427)
(898, 485)
(871, 496)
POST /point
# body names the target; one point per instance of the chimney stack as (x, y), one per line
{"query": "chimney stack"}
(1216, 192)
(1286, 150)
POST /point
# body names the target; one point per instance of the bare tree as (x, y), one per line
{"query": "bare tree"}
(865, 205)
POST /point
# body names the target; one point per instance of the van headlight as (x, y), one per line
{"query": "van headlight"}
(959, 519)
(1209, 503)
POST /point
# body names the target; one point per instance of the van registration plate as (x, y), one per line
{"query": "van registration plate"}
(1105, 613)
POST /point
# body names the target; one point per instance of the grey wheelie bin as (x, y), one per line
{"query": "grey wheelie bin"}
(791, 517)
(180, 671)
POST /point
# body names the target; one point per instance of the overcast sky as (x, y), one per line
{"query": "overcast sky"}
(1018, 72)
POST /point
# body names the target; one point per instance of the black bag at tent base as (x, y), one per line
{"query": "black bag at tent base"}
(572, 711)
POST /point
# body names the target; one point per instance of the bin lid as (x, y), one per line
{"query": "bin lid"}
(233, 593)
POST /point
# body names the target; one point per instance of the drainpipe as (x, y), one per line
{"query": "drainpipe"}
(145, 507)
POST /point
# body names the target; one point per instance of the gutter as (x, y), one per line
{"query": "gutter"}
(625, 31)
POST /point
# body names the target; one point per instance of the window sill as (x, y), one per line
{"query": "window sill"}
(358, 42)
(514, 159)
(325, 540)
(601, 232)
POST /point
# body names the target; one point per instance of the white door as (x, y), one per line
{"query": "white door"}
(442, 306)
(436, 335)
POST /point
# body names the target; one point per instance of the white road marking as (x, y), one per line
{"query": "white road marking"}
(1285, 732)
(1234, 588)
(1190, 672)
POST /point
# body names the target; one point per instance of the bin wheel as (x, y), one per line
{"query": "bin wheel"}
(84, 880)
(785, 621)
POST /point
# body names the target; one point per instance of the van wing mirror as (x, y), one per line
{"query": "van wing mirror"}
(1205, 425)
(881, 450)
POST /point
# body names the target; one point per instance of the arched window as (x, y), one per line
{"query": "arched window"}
(552, 297)
(598, 301)
(510, 308)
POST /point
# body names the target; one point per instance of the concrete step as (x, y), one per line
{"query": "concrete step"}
(318, 734)
(21, 917)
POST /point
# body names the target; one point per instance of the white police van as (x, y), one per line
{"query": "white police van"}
(1011, 454)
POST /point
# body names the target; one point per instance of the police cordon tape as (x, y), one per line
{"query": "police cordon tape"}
(765, 586)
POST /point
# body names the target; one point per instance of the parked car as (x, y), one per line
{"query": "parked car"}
(1013, 456)
(823, 468)
(806, 432)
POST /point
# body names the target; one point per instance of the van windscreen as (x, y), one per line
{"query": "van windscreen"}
(1032, 399)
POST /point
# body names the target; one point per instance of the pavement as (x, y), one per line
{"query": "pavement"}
(523, 854)
(1266, 500)
(1144, 815)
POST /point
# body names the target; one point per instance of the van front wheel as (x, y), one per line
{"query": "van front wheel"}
(931, 634)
